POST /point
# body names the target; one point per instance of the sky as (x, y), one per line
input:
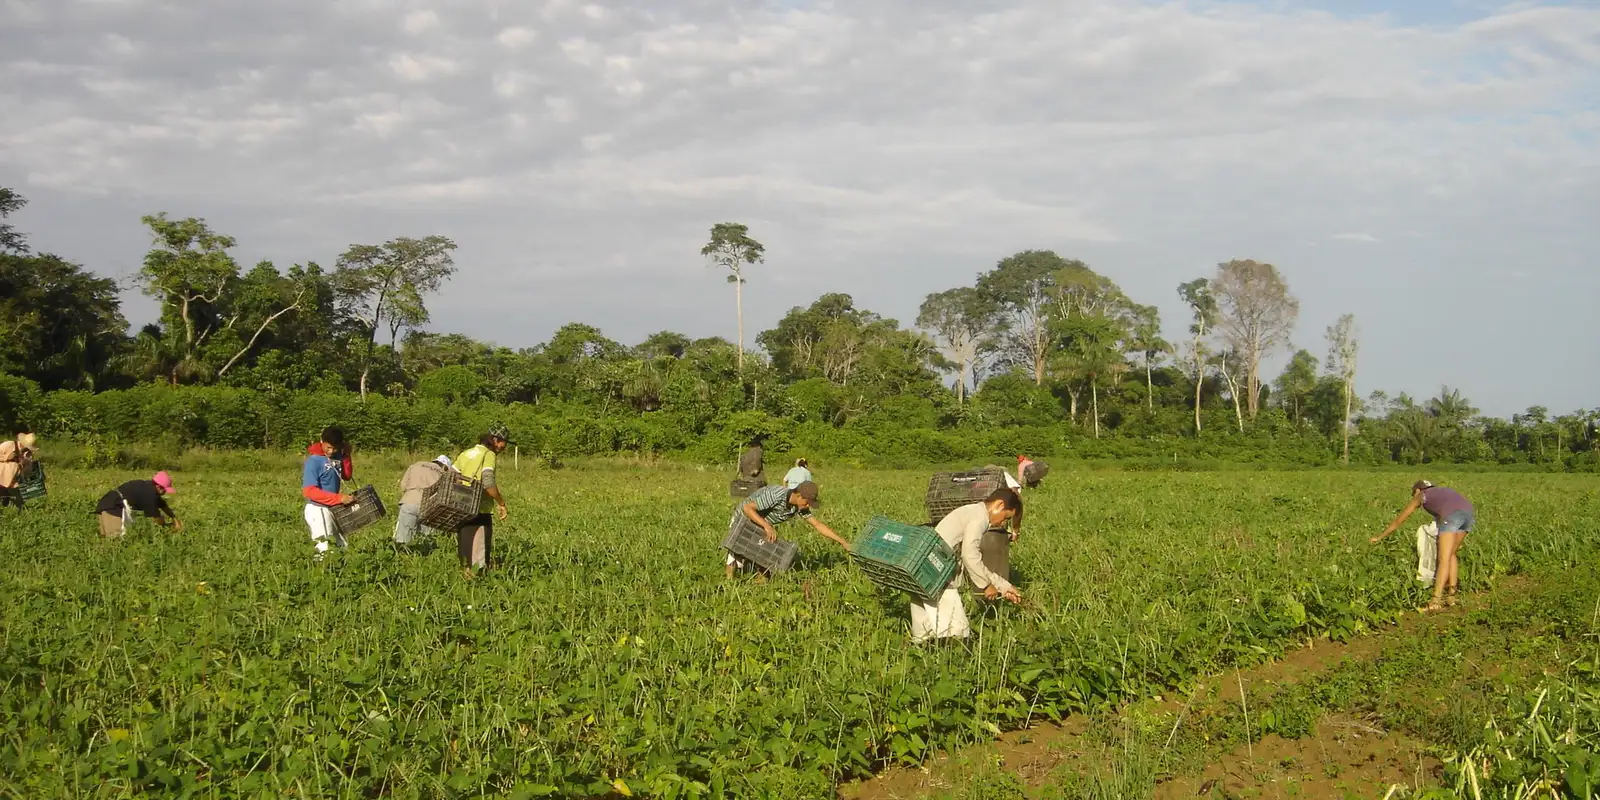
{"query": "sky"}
(1431, 167)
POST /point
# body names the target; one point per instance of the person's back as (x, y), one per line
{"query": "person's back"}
(416, 478)
(953, 529)
(797, 476)
(751, 464)
(1441, 501)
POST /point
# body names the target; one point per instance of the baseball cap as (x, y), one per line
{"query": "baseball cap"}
(164, 480)
(1420, 485)
(500, 431)
(808, 490)
(445, 460)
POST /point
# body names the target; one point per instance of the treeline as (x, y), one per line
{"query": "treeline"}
(1041, 355)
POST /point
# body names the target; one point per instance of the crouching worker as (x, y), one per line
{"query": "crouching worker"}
(1454, 516)
(775, 505)
(417, 478)
(320, 480)
(115, 509)
(963, 531)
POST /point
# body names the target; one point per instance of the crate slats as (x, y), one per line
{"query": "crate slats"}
(948, 491)
(744, 487)
(366, 510)
(910, 558)
(451, 501)
(32, 486)
(746, 540)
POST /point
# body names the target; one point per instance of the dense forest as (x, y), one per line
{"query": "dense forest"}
(1041, 354)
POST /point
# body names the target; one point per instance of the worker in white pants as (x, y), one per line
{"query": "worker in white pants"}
(320, 481)
(944, 617)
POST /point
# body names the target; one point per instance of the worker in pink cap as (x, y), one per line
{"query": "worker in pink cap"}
(116, 508)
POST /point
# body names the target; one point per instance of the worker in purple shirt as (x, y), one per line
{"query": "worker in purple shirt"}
(1455, 517)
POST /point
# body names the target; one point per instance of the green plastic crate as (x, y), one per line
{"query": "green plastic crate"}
(32, 487)
(906, 557)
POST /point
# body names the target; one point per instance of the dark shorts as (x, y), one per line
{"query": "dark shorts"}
(475, 541)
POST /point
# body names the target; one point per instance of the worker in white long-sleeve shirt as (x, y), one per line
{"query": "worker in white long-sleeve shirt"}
(963, 531)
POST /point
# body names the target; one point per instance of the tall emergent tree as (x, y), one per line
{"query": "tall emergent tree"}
(189, 270)
(1022, 287)
(1144, 338)
(1203, 305)
(964, 324)
(1342, 349)
(379, 284)
(1257, 316)
(732, 249)
(11, 240)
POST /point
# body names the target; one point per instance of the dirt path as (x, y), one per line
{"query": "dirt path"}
(1341, 756)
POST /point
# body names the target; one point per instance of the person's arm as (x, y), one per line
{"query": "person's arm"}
(827, 531)
(324, 497)
(1411, 508)
(754, 515)
(493, 490)
(972, 561)
(165, 515)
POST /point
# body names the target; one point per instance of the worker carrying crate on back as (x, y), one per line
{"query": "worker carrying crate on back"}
(417, 478)
(963, 530)
(775, 505)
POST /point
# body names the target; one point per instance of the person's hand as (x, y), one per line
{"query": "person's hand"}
(772, 535)
(177, 525)
(1015, 534)
(503, 512)
(1012, 595)
(990, 593)
(346, 499)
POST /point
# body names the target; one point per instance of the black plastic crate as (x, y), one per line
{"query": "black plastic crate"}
(746, 540)
(744, 487)
(366, 510)
(451, 501)
(948, 491)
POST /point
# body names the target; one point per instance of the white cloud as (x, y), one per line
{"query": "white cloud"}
(420, 21)
(516, 37)
(887, 149)
(422, 67)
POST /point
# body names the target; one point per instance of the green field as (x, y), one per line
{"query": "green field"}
(608, 655)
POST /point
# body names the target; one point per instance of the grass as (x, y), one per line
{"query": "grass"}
(608, 656)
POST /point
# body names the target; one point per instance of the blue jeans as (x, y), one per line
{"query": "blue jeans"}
(1457, 522)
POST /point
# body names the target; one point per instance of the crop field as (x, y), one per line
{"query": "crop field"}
(608, 655)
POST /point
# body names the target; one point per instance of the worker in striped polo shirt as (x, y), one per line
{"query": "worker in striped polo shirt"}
(774, 505)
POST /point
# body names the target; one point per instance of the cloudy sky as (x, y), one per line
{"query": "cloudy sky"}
(1432, 166)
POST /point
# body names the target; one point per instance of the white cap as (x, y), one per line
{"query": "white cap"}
(445, 460)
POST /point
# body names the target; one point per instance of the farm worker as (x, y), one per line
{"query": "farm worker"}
(996, 546)
(320, 480)
(774, 505)
(1454, 516)
(333, 446)
(800, 473)
(1030, 472)
(16, 463)
(475, 537)
(116, 508)
(963, 531)
(417, 477)
(751, 464)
